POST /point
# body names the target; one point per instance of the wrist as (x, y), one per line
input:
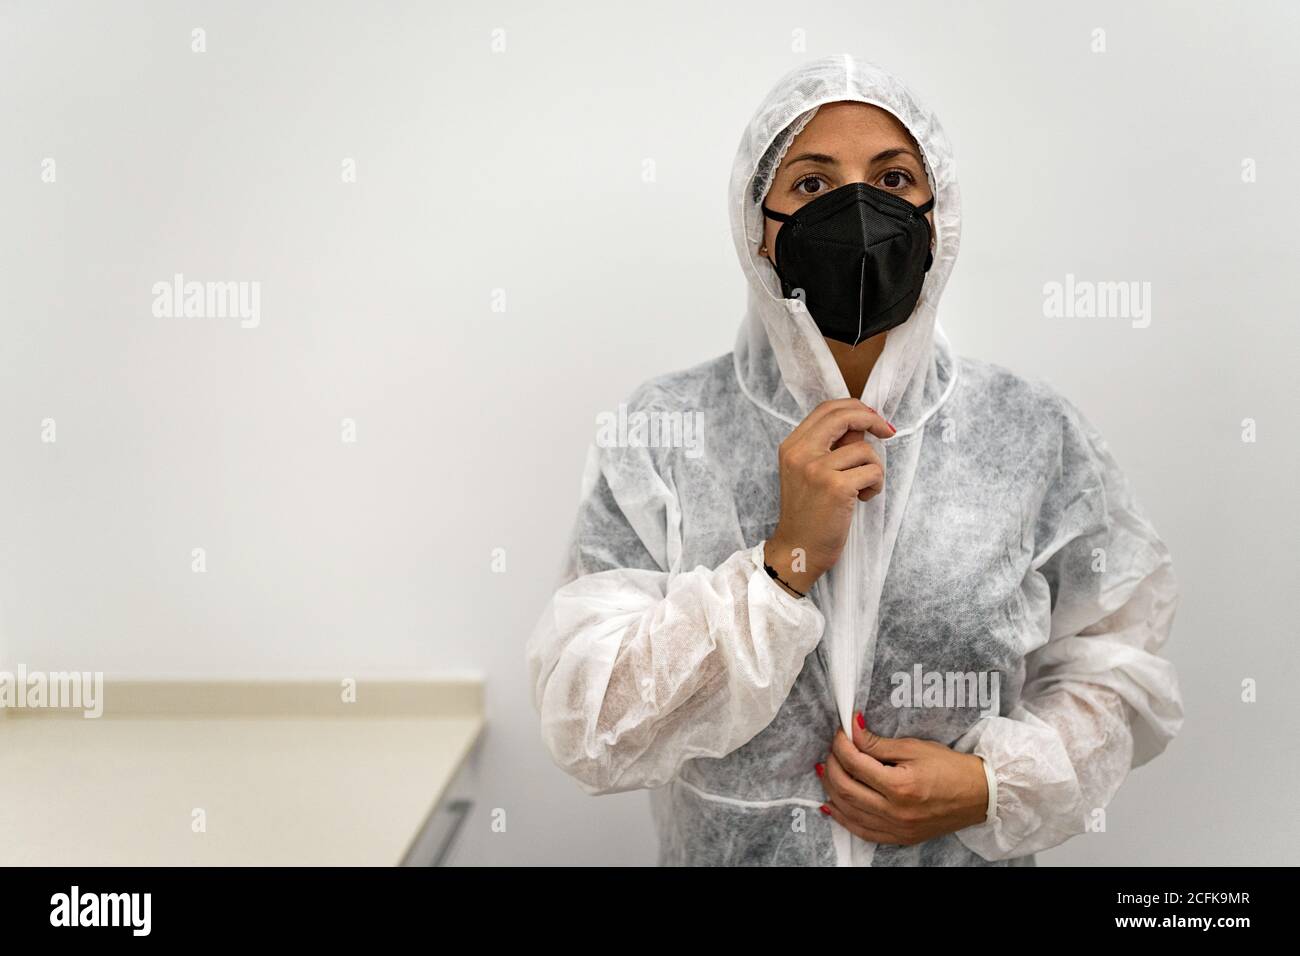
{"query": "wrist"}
(791, 564)
(982, 793)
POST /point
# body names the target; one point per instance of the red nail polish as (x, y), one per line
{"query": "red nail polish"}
(891, 426)
(825, 809)
(821, 770)
(861, 720)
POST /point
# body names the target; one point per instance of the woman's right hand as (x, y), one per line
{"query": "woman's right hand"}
(826, 467)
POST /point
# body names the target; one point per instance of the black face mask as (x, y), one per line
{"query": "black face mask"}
(857, 256)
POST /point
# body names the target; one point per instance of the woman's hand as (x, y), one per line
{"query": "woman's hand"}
(826, 468)
(901, 790)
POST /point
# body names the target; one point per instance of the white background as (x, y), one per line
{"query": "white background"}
(522, 171)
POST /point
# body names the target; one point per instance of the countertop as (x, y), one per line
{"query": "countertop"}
(276, 773)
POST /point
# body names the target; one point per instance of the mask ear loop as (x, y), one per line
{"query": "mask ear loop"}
(927, 206)
(779, 217)
(921, 210)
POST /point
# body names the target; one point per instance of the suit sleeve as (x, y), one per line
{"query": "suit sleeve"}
(1099, 699)
(638, 666)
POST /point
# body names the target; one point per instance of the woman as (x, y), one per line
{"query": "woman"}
(916, 627)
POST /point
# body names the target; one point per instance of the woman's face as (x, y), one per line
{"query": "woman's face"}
(846, 143)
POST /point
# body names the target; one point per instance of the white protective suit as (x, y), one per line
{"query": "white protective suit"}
(1006, 542)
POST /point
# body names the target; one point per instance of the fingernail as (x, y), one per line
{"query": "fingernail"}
(825, 809)
(891, 426)
(861, 720)
(821, 770)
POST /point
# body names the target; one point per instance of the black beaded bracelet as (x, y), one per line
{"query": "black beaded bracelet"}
(771, 572)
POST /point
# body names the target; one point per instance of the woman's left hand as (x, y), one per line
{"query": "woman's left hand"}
(901, 790)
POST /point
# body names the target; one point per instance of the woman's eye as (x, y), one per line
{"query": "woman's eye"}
(810, 185)
(896, 179)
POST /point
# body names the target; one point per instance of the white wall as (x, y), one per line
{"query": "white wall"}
(522, 171)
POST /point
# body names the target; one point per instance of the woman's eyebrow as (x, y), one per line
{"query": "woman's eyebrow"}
(814, 158)
(900, 151)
